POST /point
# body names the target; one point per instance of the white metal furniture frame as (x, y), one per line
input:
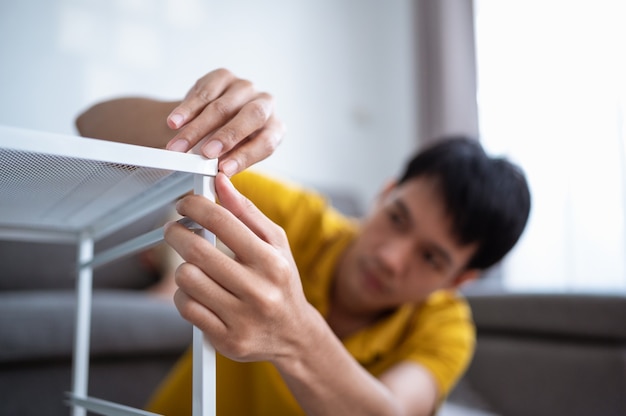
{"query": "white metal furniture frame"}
(64, 188)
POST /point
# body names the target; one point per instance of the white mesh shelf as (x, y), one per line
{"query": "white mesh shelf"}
(65, 188)
(62, 185)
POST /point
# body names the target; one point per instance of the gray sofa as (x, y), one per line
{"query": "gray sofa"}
(546, 354)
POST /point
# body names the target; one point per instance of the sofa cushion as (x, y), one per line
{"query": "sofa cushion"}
(40, 325)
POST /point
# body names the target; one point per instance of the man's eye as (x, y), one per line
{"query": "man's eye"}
(395, 218)
(431, 259)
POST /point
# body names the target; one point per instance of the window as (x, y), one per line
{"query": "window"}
(552, 95)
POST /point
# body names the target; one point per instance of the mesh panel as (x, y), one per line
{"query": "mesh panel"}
(66, 193)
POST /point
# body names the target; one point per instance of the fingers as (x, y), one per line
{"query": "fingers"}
(237, 223)
(249, 217)
(228, 117)
(250, 118)
(195, 283)
(204, 260)
(209, 110)
(206, 89)
(200, 315)
(259, 145)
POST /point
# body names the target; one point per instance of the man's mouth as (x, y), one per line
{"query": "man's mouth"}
(372, 281)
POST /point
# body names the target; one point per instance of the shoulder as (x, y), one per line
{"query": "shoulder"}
(250, 181)
(263, 188)
(306, 214)
(445, 319)
(445, 305)
(278, 199)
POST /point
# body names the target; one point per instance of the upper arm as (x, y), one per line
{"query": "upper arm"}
(413, 386)
(434, 356)
(139, 121)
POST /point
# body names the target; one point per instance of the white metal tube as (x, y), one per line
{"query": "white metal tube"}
(102, 150)
(204, 368)
(80, 365)
(105, 407)
(126, 248)
(135, 245)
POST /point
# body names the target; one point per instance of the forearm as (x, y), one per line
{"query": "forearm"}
(325, 379)
(139, 121)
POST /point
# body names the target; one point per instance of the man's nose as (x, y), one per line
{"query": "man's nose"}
(395, 255)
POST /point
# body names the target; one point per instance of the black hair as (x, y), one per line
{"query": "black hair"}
(486, 197)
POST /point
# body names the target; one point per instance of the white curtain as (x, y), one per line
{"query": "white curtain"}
(551, 81)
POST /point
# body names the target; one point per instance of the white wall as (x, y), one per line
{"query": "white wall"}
(341, 70)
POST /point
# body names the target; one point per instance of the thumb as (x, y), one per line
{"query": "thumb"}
(242, 208)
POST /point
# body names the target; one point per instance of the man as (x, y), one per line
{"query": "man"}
(316, 313)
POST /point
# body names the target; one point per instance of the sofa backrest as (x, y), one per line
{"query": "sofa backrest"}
(27, 265)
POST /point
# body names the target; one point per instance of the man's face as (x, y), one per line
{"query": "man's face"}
(405, 251)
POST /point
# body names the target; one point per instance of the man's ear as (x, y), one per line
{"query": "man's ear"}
(464, 277)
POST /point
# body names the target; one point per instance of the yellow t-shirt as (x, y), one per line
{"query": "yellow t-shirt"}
(438, 333)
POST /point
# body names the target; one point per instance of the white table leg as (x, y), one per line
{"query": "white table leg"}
(80, 366)
(204, 397)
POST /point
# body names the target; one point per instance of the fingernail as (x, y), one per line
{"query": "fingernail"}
(168, 225)
(230, 167)
(179, 145)
(177, 119)
(213, 149)
(226, 180)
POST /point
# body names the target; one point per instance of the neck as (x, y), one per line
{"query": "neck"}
(344, 324)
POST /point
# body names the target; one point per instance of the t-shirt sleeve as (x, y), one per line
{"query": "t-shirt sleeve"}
(444, 339)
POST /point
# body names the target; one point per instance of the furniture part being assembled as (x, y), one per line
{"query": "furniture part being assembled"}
(64, 188)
